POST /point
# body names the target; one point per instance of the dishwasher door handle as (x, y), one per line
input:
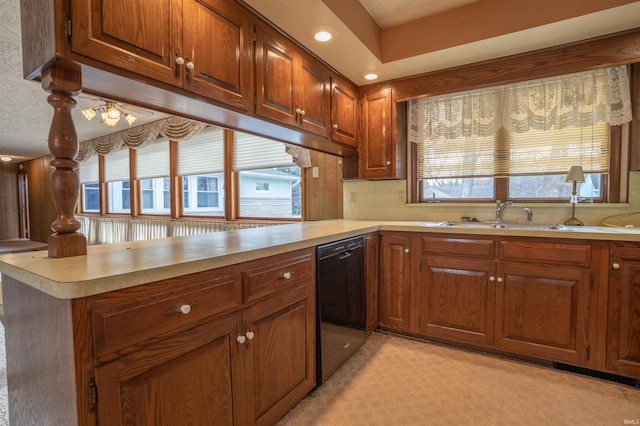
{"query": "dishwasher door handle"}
(344, 255)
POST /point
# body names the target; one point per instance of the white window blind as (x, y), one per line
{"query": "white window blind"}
(116, 166)
(89, 172)
(202, 154)
(255, 152)
(153, 160)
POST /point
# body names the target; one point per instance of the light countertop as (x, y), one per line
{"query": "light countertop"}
(111, 267)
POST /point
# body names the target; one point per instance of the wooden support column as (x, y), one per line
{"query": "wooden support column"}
(63, 80)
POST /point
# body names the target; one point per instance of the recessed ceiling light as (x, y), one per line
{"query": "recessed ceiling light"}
(370, 75)
(324, 33)
(3, 158)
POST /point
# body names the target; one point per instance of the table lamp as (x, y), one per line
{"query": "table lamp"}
(575, 175)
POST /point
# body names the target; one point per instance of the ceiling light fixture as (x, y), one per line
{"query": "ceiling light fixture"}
(109, 113)
(324, 34)
(5, 158)
(370, 75)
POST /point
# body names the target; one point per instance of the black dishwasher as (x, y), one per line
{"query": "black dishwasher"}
(341, 304)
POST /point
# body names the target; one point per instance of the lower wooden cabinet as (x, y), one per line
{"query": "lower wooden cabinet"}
(518, 296)
(372, 277)
(246, 360)
(395, 281)
(623, 311)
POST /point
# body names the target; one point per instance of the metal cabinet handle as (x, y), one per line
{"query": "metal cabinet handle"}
(492, 278)
(615, 265)
(499, 279)
(335, 127)
(285, 276)
(241, 339)
(406, 251)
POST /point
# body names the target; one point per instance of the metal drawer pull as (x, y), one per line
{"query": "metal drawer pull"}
(616, 266)
(241, 339)
(285, 276)
(182, 309)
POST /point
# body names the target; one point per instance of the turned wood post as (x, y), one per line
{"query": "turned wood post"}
(63, 80)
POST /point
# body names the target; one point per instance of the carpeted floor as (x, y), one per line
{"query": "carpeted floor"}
(393, 381)
(397, 381)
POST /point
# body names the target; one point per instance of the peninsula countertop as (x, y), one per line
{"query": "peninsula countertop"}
(111, 267)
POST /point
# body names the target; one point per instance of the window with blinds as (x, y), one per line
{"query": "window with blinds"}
(152, 170)
(89, 174)
(116, 174)
(201, 165)
(269, 181)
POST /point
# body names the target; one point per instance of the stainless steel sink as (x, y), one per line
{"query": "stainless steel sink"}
(506, 225)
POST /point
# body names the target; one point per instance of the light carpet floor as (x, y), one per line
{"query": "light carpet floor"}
(393, 381)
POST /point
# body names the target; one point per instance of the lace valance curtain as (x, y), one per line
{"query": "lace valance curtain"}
(573, 100)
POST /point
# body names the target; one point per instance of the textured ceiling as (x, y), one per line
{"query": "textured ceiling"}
(25, 115)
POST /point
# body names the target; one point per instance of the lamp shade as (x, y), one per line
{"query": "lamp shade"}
(575, 174)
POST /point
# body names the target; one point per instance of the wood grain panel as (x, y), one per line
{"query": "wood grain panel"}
(395, 281)
(9, 202)
(568, 253)
(42, 211)
(456, 300)
(313, 95)
(459, 246)
(344, 111)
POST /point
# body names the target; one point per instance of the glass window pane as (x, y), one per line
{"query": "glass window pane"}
(203, 195)
(154, 196)
(91, 197)
(461, 188)
(119, 197)
(281, 199)
(553, 187)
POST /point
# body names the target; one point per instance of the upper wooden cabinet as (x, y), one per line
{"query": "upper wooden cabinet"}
(202, 46)
(382, 146)
(344, 111)
(291, 86)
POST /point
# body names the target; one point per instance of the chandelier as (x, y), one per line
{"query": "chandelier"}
(109, 113)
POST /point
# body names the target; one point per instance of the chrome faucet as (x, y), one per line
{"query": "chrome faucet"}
(529, 213)
(500, 206)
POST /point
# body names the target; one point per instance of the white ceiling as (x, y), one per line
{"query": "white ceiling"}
(25, 115)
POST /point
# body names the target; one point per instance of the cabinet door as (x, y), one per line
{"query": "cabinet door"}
(312, 93)
(455, 299)
(275, 76)
(395, 282)
(623, 329)
(344, 112)
(372, 277)
(218, 42)
(190, 378)
(140, 36)
(281, 358)
(376, 151)
(543, 311)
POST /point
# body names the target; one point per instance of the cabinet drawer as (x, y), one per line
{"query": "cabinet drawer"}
(278, 273)
(555, 253)
(454, 246)
(127, 317)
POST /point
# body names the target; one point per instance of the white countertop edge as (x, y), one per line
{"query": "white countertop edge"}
(111, 267)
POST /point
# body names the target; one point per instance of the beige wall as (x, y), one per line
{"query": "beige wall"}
(385, 200)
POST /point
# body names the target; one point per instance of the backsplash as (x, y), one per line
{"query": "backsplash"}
(386, 200)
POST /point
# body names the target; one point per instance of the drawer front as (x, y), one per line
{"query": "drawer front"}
(277, 273)
(546, 252)
(128, 317)
(458, 246)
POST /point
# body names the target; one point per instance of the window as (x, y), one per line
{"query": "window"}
(518, 141)
(90, 186)
(201, 165)
(153, 172)
(269, 182)
(116, 174)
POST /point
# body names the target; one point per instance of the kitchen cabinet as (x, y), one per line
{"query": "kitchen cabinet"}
(454, 294)
(395, 281)
(382, 145)
(291, 86)
(372, 278)
(344, 112)
(203, 47)
(235, 344)
(623, 325)
(526, 297)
